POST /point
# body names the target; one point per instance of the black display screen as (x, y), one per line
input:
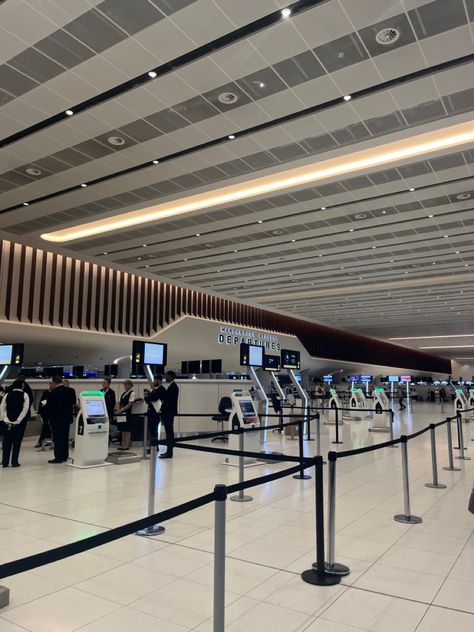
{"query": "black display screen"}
(271, 363)
(290, 359)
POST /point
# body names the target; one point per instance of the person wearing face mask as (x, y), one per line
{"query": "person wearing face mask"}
(169, 409)
(14, 409)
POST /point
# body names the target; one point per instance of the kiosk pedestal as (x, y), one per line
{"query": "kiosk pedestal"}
(91, 442)
(381, 420)
(334, 402)
(243, 415)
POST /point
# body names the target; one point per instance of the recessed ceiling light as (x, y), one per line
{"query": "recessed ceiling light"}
(105, 253)
(231, 136)
(144, 245)
(116, 141)
(260, 221)
(286, 12)
(293, 240)
(83, 185)
(184, 259)
(198, 234)
(411, 189)
(430, 216)
(33, 171)
(261, 84)
(155, 162)
(351, 230)
(152, 74)
(347, 97)
(69, 112)
(236, 251)
(139, 258)
(323, 208)
(374, 246)
(421, 144)
(147, 266)
(445, 235)
(25, 204)
(458, 252)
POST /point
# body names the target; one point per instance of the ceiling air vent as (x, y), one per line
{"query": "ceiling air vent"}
(387, 36)
(228, 98)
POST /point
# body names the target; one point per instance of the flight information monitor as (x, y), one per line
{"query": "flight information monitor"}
(393, 378)
(290, 359)
(11, 354)
(271, 363)
(327, 378)
(149, 353)
(251, 355)
(406, 378)
(353, 378)
(366, 378)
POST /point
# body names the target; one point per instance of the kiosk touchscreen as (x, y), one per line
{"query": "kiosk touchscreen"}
(381, 420)
(244, 415)
(91, 442)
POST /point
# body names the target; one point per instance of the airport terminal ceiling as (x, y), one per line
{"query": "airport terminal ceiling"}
(165, 104)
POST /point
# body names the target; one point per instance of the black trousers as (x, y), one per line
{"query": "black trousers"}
(45, 432)
(60, 430)
(12, 442)
(153, 423)
(168, 421)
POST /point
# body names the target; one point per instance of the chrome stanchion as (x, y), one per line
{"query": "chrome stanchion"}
(145, 456)
(219, 558)
(450, 448)
(308, 425)
(155, 529)
(392, 421)
(407, 516)
(332, 567)
(317, 575)
(461, 447)
(434, 461)
(301, 476)
(318, 434)
(4, 597)
(336, 413)
(241, 497)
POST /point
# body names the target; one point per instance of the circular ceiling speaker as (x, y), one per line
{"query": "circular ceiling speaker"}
(463, 196)
(360, 216)
(279, 231)
(33, 171)
(228, 98)
(117, 141)
(387, 36)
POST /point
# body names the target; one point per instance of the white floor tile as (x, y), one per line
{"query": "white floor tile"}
(418, 560)
(129, 620)
(457, 594)
(175, 560)
(400, 582)
(442, 619)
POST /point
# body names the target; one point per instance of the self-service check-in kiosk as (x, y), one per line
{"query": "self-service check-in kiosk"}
(357, 401)
(381, 420)
(243, 415)
(471, 398)
(92, 431)
(334, 402)
(461, 403)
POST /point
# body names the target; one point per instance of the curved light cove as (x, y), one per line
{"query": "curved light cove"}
(419, 145)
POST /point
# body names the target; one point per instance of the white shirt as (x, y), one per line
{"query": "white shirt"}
(22, 415)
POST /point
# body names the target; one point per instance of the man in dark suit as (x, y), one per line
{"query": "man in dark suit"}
(110, 398)
(169, 409)
(154, 399)
(60, 411)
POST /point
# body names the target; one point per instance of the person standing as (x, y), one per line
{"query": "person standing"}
(124, 414)
(154, 399)
(43, 413)
(26, 388)
(60, 410)
(110, 398)
(14, 409)
(400, 401)
(169, 409)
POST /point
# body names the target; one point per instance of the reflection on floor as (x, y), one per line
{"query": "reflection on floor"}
(403, 577)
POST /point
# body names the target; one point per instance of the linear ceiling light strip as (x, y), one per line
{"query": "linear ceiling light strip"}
(419, 145)
(164, 69)
(386, 85)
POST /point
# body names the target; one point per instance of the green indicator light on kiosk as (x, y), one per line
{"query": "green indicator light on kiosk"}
(459, 390)
(333, 390)
(93, 393)
(379, 390)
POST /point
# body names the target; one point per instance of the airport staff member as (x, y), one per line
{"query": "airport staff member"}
(154, 399)
(43, 413)
(124, 414)
(110, 398)
(169, 409)
(60, 410)
(14, 410)
(26, 388)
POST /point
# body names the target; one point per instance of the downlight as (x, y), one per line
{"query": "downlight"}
(228, 98)
(387, 36)
(32, 171)
(116, 141)
(463, 196)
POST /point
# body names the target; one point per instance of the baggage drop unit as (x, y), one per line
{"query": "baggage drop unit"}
(91, 442)
(382, 417)
(243, 415)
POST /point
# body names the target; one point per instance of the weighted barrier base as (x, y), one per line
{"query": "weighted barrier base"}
(334, 569)
(319, 579)
(463, 458)
(379, 429)
(4, 596)
(407, 519)
(452, 469)
(435, 485)
(241, 499)
(155, 529)
(302, 477)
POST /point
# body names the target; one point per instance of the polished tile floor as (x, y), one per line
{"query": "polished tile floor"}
(403, 578)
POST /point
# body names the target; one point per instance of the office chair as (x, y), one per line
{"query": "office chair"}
(225, 406)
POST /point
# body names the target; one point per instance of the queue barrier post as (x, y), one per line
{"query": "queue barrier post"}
(145, 456)
(155, 529)
(308, 424)
(241, 497)
(301, 476)
(392, 421)
(434, 461)
(461, 447)
(317, 574)
(4, 597)
(407, 517)
(318, 434)
(336, 413)
(332, 567)
(219, 558)
(449, 435)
